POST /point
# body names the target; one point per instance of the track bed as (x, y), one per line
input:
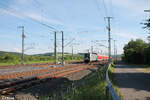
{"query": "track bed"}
(17, 82)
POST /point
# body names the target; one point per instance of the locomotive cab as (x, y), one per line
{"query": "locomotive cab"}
(87, 57)
(90, 57)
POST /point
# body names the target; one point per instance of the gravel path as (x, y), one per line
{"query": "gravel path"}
(133, 84)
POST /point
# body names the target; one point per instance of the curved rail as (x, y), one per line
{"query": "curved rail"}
(110, 88)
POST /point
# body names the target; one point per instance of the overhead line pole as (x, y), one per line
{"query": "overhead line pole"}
(55, 49)
(62, 48)
(23, 36)
(109, 37)
(72, 52)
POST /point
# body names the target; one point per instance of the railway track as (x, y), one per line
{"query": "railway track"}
(38, 77)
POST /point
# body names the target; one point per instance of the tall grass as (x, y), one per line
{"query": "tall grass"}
(92, 89)
(113, 81)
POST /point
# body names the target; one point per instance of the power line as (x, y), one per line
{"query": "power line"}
(70, 42)
(98, 6)
(28, 17)
(75, 36)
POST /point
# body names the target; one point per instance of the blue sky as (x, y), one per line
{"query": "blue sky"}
(81, 20)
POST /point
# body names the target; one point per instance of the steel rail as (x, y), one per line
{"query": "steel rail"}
(33, 72)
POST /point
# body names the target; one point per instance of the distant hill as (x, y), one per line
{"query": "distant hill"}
(51, 54)
(43, 54)
(19, 54)
(14, 53)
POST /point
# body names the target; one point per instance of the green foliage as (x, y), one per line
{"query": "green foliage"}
(14, 53)
(7, 58)
(147, 55)
(15, 58)
(93, 88)
(134, 51)
(147, 24)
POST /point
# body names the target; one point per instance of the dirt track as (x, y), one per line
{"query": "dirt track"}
(133, 84)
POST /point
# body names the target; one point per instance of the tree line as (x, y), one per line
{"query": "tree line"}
(138, 51)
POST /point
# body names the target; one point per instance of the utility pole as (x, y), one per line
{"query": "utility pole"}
(91, 49)
(62, 48)
(109, 37)
(92, 43)
(23, 36)
(55, 49)
(72, 52)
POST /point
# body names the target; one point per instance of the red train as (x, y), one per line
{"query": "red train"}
(88, 57)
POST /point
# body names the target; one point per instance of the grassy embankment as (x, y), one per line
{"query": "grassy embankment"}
(111, 77)
(92, 89)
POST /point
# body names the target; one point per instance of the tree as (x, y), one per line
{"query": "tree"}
(133, 51)
(147, 24)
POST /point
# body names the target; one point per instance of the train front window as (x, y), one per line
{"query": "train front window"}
(86, 56)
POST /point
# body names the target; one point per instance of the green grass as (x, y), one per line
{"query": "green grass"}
(93, 89)
(13, 59)
(111, 77)
(6, 64)
(33, 62)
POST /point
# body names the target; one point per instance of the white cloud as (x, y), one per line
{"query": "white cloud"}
(41, 18)
(22, 2)
(16, 49)
(30, 15)
(11, 13)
